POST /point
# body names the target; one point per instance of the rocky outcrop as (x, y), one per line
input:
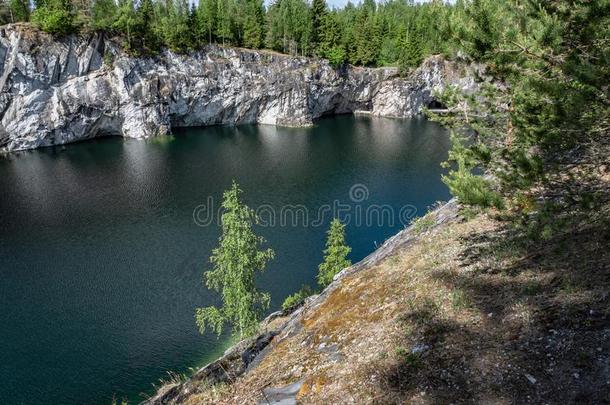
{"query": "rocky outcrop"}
(244, 358)
(56, 91)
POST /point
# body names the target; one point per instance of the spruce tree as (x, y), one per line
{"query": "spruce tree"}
(103, 15)
(126, 22)
(317, 17)
(253, 24)
(273, 27)
(223, 21)
(335, 254)
(368, 35)
(176, 29)
(288, 26)
(206, 19)
(148, 42)
(236, 261)
(412, 52)
(330, 46)
(192, 27)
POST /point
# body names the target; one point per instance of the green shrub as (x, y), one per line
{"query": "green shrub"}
(471, 189)
(54, 17)
(336, 56)
(296, 299)
(422, 224)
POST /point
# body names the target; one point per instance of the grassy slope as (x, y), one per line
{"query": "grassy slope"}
(467, 312)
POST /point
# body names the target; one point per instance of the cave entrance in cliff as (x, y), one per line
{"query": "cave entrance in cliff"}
(436, 105)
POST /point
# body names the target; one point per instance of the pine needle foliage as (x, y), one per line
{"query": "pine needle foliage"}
(335, 254)
(533, 137)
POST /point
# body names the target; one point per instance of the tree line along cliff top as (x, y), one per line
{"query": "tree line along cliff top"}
(368, 34)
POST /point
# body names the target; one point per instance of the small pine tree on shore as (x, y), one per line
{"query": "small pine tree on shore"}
(335, 254)
(236, 261)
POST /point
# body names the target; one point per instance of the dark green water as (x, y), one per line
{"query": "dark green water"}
(101, 260)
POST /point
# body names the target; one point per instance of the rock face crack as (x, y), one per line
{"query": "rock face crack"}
(216, 85)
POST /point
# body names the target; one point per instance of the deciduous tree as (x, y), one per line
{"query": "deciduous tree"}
(236, 260)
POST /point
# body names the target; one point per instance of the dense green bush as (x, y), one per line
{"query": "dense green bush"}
(296, 299)
(471, 189)
(336, 56)
(55, 17)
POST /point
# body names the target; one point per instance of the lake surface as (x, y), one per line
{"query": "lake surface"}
(103, 243)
